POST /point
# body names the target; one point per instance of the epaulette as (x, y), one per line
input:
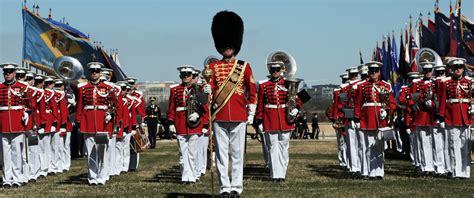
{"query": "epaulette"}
(337, 89)
(174, 85)
(467, 77)
(81, 84)
(446, 79)
(344, 85)
(416, 80)
(262, 81)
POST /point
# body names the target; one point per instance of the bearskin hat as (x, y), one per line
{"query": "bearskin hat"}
(227, 31)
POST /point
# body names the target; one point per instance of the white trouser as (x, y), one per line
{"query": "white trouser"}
(414, 149)
(426, 147)
(374, 154)
(45, 150)
(111, 155)
(364, 166)
(398, 140)
(205, 144)
(459, 150)
(341, 148)
(34, 163)
(447, 157)
(119, 151)
(265, 150)
(96, 160)
(12, 149)
(188, 146)
(126, 152)
(230, 141)
(278, 143)
(198, 157)
(25, 169)
(67, 151)
(352, 151)
(55, 157)
(438, 150)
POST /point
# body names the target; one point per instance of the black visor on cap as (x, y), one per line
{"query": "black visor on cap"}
(373, 69)
(8, 71)
(184, 74)
(275, 69)
(95, 70)
(458, 66)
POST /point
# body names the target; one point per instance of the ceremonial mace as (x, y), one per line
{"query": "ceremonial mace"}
(207, 74)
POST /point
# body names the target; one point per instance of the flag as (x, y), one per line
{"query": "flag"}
(360, 57)
(413, 50)
(106, 59)
(46, 40)
(402, 61)
(455, 32)
(466, 44)
(441, 33)
(385, 70)
(395, 72)
(427, 37)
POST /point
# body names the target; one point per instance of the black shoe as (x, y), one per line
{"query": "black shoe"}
(225, 195)
(282, 179)
(6, 185)
(234, 194)
(275, 180)
(379, 178)
(16, 185)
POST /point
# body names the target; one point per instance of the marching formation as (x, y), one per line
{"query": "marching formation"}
(429, 119)
(38, 113)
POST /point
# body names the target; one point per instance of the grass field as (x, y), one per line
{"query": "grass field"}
(313, 171)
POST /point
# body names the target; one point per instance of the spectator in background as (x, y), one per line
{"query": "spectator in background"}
(315, 126)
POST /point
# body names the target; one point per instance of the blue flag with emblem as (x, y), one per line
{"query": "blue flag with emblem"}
(45, 40)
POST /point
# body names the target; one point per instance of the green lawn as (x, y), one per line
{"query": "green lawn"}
(313, 171)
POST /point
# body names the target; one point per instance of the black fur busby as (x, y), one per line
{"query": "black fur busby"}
(227, 31)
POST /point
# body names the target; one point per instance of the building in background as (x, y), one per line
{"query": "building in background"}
(321, 91)
(160, 90)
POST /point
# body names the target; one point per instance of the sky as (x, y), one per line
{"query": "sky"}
(156, 36)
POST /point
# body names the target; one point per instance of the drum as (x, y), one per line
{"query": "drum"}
(140, 142)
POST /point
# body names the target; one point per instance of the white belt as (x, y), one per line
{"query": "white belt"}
(6, 108)
(95, 107)
(274, 106)
(181, 108)
(465, 100)
(49, 111)
(372, 104)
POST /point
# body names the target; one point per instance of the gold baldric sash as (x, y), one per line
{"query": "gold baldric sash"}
(227, 89)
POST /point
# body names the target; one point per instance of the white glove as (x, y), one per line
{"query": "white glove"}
(41, 131)
(143, 124)
(379, 135)
(72, 100)
(428, 103)
(53, 129)
(293, 112)
(108, 117)
(62, 130)
(357, 125)
(133, 132)
(442, 124)
(471, 110)
(193, 117)
(205, 131)
(383, 114)
(260, 128)
(25, 117)
(207, 89)
(172, 128)
(251, 113)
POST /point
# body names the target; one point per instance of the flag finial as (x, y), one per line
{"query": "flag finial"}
(50, 14)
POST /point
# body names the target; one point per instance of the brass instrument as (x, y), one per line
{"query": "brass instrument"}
(427, 55)
(292, 82)
(68, 68)
(193, 105)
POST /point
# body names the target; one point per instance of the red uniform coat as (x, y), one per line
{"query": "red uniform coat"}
(141, 103)
(30, 106)
(113, 108)
(368, 104)
(454, 103)
(350, 89)
(177, 111)
(235, 110)
(93, 103)
(403, 104)
(11, 107)
(124, 115)
(424, 115)
(272, 99)
(51, 110)
(336, 106)
(63, 112)
(40, 112)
